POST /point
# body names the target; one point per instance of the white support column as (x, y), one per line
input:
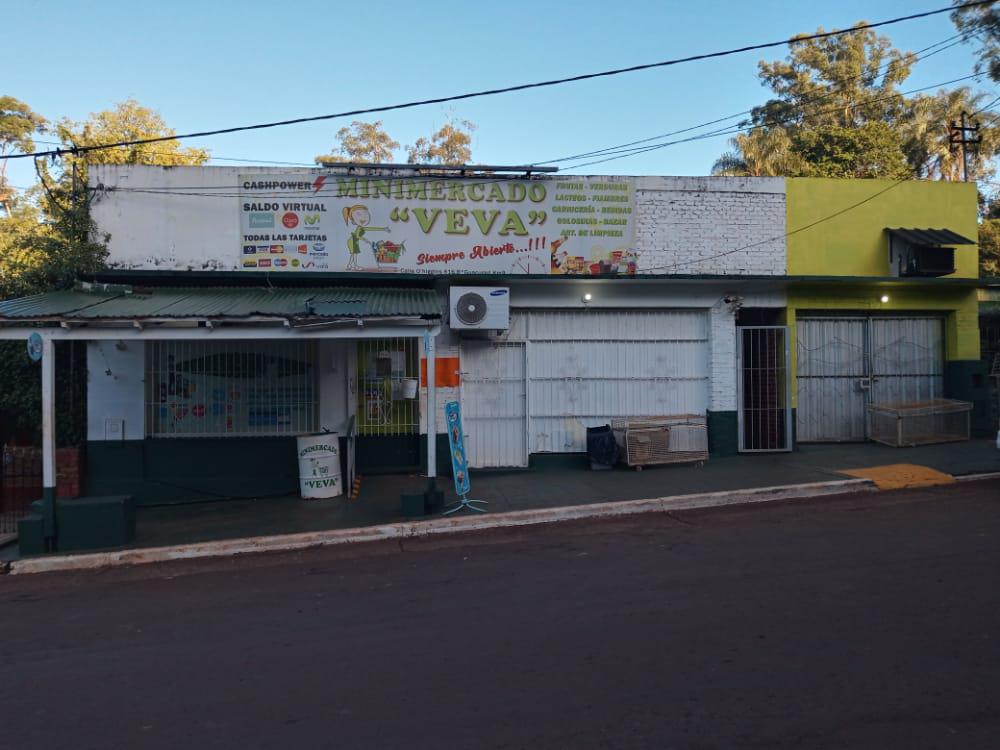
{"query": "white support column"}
(49, 435)
(430, 351)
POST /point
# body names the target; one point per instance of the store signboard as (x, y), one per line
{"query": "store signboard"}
(333, 223)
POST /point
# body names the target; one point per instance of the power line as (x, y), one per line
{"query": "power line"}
(201, 190)
(503, 90)
(786, 235)
(734, 130)
(211, 157)
(919, 55)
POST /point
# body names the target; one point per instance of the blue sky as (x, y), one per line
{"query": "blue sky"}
(213, 64)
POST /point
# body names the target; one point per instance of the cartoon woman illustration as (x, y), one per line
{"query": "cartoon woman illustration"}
(360, 217)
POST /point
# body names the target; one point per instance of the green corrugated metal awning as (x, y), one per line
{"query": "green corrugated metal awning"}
(123, 303)
(930, 237)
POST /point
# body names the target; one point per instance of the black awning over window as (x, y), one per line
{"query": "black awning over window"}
(930, 237)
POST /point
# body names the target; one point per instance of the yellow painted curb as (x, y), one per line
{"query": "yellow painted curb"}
(900, 476)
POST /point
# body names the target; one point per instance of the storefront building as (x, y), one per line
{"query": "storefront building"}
(774, 309)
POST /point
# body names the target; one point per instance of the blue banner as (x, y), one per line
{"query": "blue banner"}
(456, 442)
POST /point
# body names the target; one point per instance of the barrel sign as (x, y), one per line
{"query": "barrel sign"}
(319, 466)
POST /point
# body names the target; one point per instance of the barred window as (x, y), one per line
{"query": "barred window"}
(220, 388)
(388, 372)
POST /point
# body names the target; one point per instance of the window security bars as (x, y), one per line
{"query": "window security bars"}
(388, 380)
(230, 388)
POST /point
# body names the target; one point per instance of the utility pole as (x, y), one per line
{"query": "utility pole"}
(962, 135)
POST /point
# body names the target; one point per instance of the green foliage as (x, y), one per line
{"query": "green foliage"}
(47, 242)
(362, 142)
(452, 144)
(982, 23)
(989, 247)
(17, 124)
(924, 131)
(47, 239)
(762, 152)
(843, 80)
(828, 87)
(21, 396)
(871, 150)
(128, 121)
(368, 143)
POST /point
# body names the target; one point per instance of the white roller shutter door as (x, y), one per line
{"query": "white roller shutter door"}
(587, 367)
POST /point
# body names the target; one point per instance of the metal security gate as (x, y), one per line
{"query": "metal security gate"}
(494, 403)
(763, 389)
(844, 364)
(907, 359)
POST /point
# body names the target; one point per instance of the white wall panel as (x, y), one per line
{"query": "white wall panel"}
(494, 403)
(115, 389)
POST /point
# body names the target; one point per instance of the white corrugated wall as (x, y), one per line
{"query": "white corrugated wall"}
(584, 368)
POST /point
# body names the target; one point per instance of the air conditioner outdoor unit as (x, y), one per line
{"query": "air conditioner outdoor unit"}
(479, 307)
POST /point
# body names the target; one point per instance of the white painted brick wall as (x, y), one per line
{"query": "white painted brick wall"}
(711, 225)
(722, 384)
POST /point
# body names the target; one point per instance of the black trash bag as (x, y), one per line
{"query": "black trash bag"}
(602, 448)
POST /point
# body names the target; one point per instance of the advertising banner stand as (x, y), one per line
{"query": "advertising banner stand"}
(459, 464)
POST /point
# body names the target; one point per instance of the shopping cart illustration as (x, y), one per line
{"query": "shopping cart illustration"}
(387, 253)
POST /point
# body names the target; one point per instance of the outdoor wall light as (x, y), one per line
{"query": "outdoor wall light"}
(587, 297)
(884, 298)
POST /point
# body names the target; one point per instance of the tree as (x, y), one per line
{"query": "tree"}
(983, 23)
(844, 80)
(18, 122)
(763, 152)
(128, 121)
(926, 136)
(835, 102)
(361, 143)
(452, 144)
(871, 150)
(838, 111)
(989, 236)
(48, 239)
(989, 248)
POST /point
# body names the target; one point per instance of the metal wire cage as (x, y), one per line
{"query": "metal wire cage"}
(646, 441)
(909, 423)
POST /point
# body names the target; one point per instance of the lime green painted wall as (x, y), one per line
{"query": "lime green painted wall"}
(959, 307)
(855, 243)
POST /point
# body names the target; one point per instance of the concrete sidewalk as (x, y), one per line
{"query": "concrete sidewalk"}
(540, 489)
